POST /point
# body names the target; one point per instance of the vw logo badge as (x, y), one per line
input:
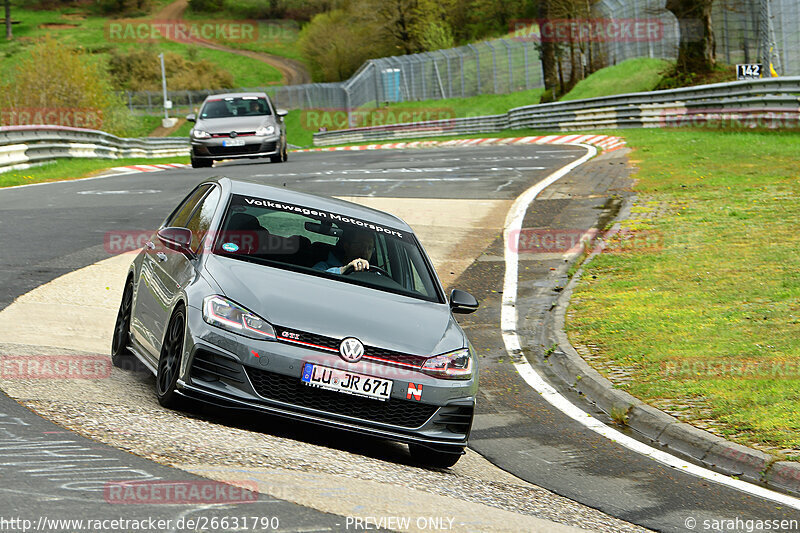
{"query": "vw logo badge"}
(234, 135)
(351, 350)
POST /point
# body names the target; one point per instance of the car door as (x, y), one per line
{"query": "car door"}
(176, 270)
(145, 326)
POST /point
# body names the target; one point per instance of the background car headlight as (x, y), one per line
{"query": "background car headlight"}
(200, 134)
(225, 314)
(452, 365)
(265, 130)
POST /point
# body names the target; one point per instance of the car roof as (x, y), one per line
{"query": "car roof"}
(334, 205)
(235, 95)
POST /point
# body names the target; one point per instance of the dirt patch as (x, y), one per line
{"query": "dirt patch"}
(59, 26)
(165, 132)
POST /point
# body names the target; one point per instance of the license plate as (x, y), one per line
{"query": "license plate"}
(346, 382)
(233, 142)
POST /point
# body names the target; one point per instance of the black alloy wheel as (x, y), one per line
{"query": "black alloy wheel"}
(170, 360)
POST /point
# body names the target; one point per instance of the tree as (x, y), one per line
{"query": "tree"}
(9, 34)
(54, 84)
(695, 52)
(338, 42)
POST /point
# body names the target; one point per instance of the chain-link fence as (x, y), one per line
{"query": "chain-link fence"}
(746, 31)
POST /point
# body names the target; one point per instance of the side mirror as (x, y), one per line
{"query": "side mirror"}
(462, 302)
(178, 239)
(191, 117)
(281, 112)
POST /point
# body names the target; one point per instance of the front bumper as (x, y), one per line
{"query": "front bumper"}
(223, 369)
(255, 146)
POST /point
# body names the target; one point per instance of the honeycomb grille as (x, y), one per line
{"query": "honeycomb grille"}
(369, 351)
(292, 391)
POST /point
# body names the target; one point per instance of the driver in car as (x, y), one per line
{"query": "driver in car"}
(255, 108)
(351, 249)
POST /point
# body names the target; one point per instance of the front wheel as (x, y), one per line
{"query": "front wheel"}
(170, 360)
(201, 163)
(281, 157)
(434, 458)
(120, 355)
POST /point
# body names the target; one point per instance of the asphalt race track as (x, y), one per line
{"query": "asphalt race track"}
(50, 230)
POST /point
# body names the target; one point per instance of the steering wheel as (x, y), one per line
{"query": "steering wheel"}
(372, 268)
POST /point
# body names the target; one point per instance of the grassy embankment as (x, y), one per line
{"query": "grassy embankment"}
(78, 27)
(706, 323)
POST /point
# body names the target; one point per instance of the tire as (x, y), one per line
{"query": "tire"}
(170, 360)
(202, 163)
(434, 458)
(121, 357)
(281, 157)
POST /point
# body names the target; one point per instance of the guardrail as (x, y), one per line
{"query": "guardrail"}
(772, 102)
(25, 146)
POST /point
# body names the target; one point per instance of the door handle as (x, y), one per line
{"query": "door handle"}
(161, 256)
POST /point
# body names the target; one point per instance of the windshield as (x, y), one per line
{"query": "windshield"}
(244, 106)
(321, 243)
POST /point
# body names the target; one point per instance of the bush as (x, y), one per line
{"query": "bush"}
(336, 45)
(140, 70)
(123, 7)
(61, 86)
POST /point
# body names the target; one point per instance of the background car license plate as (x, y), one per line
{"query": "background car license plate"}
(233, 142)
(347, 382)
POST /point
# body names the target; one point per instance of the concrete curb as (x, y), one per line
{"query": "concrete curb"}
(663, 430)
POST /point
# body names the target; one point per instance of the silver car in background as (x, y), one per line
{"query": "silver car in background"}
(235, 126)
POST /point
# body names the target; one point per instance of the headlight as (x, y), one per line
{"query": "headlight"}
(265, 130)
(225, 314)
(200, 134)
(452, 365)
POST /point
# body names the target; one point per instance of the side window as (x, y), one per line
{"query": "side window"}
(201, 219)
(180, 216)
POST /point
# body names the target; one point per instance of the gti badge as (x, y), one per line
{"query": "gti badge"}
(351, 350)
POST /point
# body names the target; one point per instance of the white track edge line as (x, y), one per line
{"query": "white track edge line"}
(508, 324)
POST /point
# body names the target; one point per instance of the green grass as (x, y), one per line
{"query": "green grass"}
(69, 169)
(90, 33)
(714, 293)
(273, 37)
(631, 76)
(183, 130)
(144, 125)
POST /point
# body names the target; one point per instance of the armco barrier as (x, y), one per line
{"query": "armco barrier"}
(25, 146)
(771, 102)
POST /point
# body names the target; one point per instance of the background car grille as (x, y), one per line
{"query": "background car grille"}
(239, 150)
(322, 342)
(292, 391)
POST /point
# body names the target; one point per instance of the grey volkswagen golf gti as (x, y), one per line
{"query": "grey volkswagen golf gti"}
(235, 126)
(302, 306)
